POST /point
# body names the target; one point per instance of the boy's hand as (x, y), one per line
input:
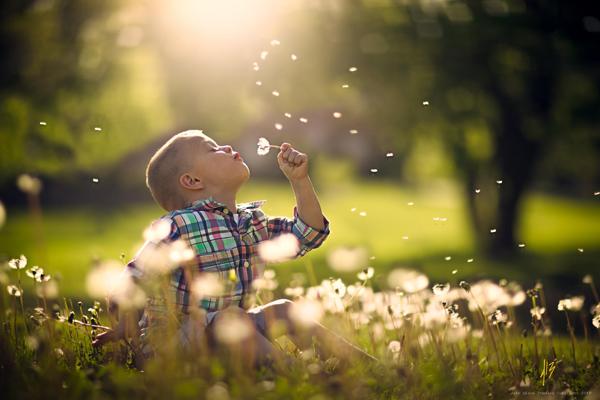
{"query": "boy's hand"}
(293, 164)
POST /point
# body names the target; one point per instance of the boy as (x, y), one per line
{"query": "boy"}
(196, 181)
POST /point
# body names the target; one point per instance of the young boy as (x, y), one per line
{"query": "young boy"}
(196, 181)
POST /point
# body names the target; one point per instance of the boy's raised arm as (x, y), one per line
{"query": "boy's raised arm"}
(294, 165)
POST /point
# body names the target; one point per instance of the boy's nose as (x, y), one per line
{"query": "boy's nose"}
(228, 149)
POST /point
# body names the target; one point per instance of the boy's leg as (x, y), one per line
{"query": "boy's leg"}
(330, 343)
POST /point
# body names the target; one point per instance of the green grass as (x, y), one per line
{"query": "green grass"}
(553, 228)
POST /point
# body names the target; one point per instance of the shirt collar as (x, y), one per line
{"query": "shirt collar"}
(211, 204)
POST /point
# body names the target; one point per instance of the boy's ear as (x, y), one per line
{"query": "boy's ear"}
(191, 182)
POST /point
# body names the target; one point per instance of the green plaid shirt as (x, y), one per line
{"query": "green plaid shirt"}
(226, 244)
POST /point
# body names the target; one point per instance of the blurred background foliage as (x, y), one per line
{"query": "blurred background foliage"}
(463, 93)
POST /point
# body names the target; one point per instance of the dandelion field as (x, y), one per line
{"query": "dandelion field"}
(475, 338)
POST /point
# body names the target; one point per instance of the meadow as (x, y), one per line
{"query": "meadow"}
(439, 325)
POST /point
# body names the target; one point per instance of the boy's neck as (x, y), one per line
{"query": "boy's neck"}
(225, 197)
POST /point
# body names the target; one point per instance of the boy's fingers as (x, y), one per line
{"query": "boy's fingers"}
(300, 159)
(292, 156)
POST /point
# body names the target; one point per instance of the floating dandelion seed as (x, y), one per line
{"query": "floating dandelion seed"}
(294, 57)
(521, 245)
(258, 83)
(275, 93)
(372, 258)
(288, 115)
(588, 279)
(537, 312)
(98, 129)
(42, 123)
(207, 284)
(264, 146)
(95, 180)
(596, 321)
(345, 86)
(580, 250)
(470, 260)
(353, 131)
(352, 69)
(454, 271)
(493, 230)
(374, 170)
(388, 155)
(18, 263)
(362, 213)
(410, 203)
(275, 42)
(278, 126)
(404, 237)
(281, 248)
(353, 209)
(347, 259)
(264, 54)
(596, 193)
(477, 191)
(255, 66)
(499, 182)
(443, 219)
(230, 328)
(303, 120)
(337, 114)
(425, 103)
(448, 258)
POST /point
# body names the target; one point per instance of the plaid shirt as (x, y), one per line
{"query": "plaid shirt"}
(225, 244)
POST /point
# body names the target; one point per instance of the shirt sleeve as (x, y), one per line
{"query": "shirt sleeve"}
(309, 237)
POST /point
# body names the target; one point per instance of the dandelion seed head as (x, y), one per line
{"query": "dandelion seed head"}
(18, 263)
(366, 274)
(263, 146)
(337, 114)
(13, 290)
(158, 230)
(347, 259)
(477, 191)
(537, 312)
(231, 328)
(278, 249)
(207, 285)
(596, 321)
(409, 281)
(306, 312)
(47, 290)
(29, 184)
(2, 214)
(440, 289)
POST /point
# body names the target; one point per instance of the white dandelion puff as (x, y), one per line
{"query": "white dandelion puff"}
(281, 248)
(388, 155)
(346, 259)
(18, 263)
(499, 182)
(264, 54)
(288, 115)
(337, 114)
(303, 120)
(366, 274)
(306, 312)
(43, 123)
(264, 146)
(362, 213)
(425, 103)
(409, 281)
(95, 180)
(493, 230)
(258, 83)
(477, 191)
(275, 93)
(157, 231)
(207, 285)
(13, 290)
(278, 126)
(440, 289)
(29, 184)
(352, 69)
(353, 131)
(374, 170)
(293, 57)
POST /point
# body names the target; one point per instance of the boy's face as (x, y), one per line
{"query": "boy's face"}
(218, 166)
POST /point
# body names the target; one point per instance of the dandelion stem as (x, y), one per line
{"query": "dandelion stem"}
(572, 333)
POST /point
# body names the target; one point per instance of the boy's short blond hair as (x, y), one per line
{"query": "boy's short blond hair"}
(167, 165)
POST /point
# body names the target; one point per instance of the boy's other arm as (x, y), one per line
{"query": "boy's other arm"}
(294, 165)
